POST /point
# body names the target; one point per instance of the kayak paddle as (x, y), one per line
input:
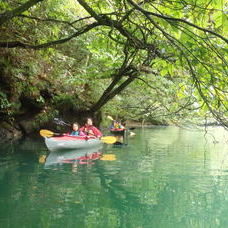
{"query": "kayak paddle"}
(61, 122)
(47, 133)
(109, 117)
(108, 139)
(105, 139)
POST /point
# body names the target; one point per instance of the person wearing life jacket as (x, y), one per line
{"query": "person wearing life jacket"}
(90, 130)
(116, 125)
(76, 131)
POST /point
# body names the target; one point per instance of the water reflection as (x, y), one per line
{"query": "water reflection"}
(74, 157)
(120, 140)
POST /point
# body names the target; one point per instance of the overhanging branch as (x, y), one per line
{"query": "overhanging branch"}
(8, 15)
(47, 20)
(14, 44)
(177, 20)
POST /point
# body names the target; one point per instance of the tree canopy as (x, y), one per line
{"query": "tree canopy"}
(175, 52)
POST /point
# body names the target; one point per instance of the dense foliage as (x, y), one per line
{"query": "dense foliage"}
(155, 60)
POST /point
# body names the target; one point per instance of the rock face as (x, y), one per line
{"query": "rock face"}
(9, 132)
(27, 125)
(33, 91)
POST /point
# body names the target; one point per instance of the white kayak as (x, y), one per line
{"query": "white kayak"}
(67, 142)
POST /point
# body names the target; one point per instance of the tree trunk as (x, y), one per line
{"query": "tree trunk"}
(108, 96)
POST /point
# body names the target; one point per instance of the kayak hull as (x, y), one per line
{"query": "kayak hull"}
(118, 131)
(71, 143)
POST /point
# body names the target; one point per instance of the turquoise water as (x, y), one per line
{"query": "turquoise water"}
(164, 177)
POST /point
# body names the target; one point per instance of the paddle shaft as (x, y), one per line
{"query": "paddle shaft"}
(61, 122)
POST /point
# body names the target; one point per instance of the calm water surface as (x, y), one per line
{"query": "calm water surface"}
(165, 177)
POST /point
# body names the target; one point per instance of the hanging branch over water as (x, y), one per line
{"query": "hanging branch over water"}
(187, 54)
(177, 20)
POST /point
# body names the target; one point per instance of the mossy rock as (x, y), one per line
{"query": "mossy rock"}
(9, 132)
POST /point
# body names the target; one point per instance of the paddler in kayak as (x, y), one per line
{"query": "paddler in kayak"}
(90, 130)
(116, 125)
(76, 131)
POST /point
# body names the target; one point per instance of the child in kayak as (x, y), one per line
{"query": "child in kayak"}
(90, 130)
(76, 131)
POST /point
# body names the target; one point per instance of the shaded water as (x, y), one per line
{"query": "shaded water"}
(165, 177)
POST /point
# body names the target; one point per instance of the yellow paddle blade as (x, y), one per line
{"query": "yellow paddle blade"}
(108, 139)
(42, 159)
(108, 157)
(46, 133)
(109, 117)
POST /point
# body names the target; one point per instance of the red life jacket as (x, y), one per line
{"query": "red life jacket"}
(88, 128)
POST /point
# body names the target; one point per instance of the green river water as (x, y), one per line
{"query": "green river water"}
(164, 177)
